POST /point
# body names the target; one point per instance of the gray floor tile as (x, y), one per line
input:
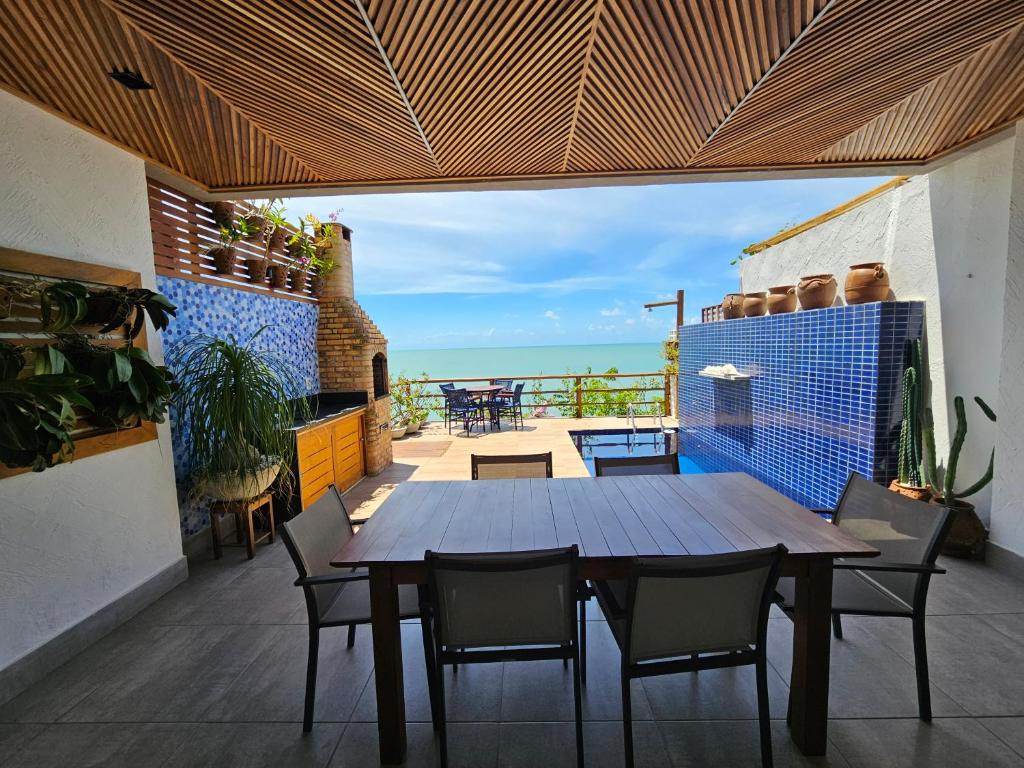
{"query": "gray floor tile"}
(968, 659)
(553, 745)
(867, 678)
(1009, 729)
(470, 745)
(733, 743)
(14, 738)
(272, 688)
(943, 743)
(257, 745)
(602, 696)
(716, 694)
(179, 678)
(144, 745)
(970, 587)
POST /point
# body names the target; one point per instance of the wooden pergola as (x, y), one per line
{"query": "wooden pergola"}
(272, 96)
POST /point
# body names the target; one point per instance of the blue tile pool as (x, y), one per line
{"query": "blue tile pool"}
(626, 442)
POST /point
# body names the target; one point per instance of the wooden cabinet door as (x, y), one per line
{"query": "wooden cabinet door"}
(315, 462)
(349, 464)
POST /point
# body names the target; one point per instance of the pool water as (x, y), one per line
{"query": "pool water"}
(625, 442)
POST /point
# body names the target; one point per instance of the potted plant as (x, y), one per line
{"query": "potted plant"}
(224, 254)
(301, 252)
(234, 403)
(224, 213)
(61, 305)
(111, 308)
(967, 535)
(257, 219)
(910, 473)
(278, 228)
(321, 267)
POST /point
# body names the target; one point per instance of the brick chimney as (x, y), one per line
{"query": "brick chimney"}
(353, 352)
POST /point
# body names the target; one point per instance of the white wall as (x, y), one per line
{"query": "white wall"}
(76, 537)
(945, 238)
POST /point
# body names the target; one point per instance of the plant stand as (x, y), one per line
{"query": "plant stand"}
(244, 536)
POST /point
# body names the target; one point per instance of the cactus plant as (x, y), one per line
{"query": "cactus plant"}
(910, 470)
(950, 495)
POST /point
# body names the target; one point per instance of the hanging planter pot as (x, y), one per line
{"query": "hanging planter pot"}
(278, 275)
(257, 269)
(276, 240)
(816, 291)
(316, 285)
(297, 278)
(732, 306)
(224, 213)
(224, 259)
(256, 225)
(781, 299)
(866, 283)
(755, 304)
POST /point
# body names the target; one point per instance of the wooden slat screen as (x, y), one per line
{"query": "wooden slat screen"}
(183, 230)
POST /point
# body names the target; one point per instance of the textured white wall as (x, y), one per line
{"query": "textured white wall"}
(77, 536)
(945, 238)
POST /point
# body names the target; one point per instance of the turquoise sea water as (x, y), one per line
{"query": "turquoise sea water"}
(505, 362)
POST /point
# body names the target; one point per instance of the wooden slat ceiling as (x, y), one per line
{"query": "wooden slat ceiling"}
(261, 95)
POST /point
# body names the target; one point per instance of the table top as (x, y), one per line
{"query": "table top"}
(485, 388)
(606, 517)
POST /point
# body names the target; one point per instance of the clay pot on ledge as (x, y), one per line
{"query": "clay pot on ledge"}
(257, 224)
(816, 291)
(781, 299)
(316, 285)
(866, 283)
(917, 493)
(278, 275)
(224, 213)
(732, 306)
(967, 535)
(257, 269)
(297, 278)
(224, 259)
(276, 240)
(755, 304)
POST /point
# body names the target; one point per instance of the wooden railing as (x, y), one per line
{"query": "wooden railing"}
(572, 395)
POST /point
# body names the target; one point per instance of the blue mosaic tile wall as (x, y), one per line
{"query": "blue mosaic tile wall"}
(823, 398)
(210, 309)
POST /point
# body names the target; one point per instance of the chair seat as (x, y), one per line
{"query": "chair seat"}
(352, 604)
(852, 593)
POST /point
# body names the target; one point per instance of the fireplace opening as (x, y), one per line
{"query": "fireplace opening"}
(380, 376)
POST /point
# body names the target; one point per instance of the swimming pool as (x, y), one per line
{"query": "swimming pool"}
(626, 442)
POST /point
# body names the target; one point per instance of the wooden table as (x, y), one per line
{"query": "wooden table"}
(610, 519)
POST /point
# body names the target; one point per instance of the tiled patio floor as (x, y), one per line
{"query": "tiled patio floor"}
(212, 675)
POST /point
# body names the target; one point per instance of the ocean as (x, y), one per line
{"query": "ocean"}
(509, 362)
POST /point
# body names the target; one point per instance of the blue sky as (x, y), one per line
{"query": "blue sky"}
(575, 266)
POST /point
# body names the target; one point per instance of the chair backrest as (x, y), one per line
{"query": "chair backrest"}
(902, 529)
(459, 398)
(514, 466)
(506, 383)
(663, 464)
(504, 599)
(517, 392)
(313, 537)
(677, 606)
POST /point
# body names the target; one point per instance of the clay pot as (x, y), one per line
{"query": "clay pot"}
(278, 275)
(732, 306)
(224, 259)
(781, 299)
(276, 239)
(224, 213)
(867, 282)
(257, 269)
(297, 278)
(755, 304)
(816, 291)
(257, 223)
(967, 535)
(914, 492)
(316, 285)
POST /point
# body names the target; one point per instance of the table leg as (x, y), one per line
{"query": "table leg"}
(387, 659)
(808, 692)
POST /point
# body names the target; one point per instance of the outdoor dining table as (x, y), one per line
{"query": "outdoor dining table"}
(611, 520)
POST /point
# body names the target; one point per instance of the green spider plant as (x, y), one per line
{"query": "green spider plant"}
(234, 406)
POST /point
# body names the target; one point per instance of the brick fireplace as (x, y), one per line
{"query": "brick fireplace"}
(353, 353)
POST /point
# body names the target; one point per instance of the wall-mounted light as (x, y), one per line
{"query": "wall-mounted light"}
(131, 79)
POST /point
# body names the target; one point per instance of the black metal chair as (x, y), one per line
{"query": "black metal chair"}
(462, 407)
(512, 466)
(492, 607)
(662, 464)
(909, 534)
(334, 598)
(695, 612)
(505, 383)
(510, 404)
(445, 392)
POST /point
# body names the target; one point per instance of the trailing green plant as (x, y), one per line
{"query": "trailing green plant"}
(233, 406)
(12, 360)
(409, 398)
(670, 353)
(37, 415)
(597, 401)
(950, 496)
(61, 305)
(17, 290)
(115, 307)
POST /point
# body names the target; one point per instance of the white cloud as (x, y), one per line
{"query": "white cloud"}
(552, 315)
(630, 321)
(613, 312)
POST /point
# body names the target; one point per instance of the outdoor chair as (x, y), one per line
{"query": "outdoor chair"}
(506, 384)
(909, 534)
(663, 464)
(462, 407)
(334, 597)
(510, 404)
(512, 466)
(677, 607)
(496, 607)
(445, 392)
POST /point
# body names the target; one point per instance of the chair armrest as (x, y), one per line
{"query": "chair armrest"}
(329, 578)
(876, 565)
